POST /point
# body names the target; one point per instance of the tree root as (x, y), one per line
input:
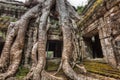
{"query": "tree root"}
(67, 38)
(12, 51)
(42, 41)
(34, 61)
(72, 13)
(81, 67)
(15, 42)
(48, 76)
(59, 68)
(28, 46)
(4, 59)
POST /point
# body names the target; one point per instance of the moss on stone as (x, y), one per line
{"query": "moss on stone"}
(102, 69)
(51, 66)
(91, 66)
(90, 11)
(22, 72)
(5, 21)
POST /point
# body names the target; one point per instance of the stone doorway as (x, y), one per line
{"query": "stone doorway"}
(96, 46)
(1, 44)
(93, 47)
(54, 49)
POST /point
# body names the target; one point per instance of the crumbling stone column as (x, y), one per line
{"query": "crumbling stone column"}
(115, 32)
(106, 42)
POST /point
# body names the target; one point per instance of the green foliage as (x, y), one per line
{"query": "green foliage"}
(50, 54)
(51, 66)
(5, 20)
(6, 17)
(80, 9)
(14, 20)
(91, 66)
(22, 72)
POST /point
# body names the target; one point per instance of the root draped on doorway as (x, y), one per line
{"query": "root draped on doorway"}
(36, 41)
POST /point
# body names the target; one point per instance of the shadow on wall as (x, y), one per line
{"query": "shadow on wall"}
(1, 44)
(94, 46)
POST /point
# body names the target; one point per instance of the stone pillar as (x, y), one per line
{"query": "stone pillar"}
(115, 27)
(101, 32)
(106, 42)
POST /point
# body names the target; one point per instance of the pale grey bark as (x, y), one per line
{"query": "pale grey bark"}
(28, 46)
(67, 40)
(13, 50)
(72, 13)
(34, 61)
(42, 40)
(36, 45)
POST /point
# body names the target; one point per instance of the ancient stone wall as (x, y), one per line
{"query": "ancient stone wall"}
(105, 21)
(10, 11)
(13, 9)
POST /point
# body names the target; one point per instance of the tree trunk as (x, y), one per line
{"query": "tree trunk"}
(42, 37)
(12, 50)
(28, 46)
(67, 40)
(34, 45)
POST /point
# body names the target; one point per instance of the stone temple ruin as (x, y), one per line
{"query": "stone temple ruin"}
(99, 30)
(11, 11)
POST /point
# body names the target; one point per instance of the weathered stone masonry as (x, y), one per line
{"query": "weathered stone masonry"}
(12, 8)
(104, 20)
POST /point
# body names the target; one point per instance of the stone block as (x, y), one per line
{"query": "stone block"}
(111, 3)
(114, 9)
(111, 11)
(119, 5)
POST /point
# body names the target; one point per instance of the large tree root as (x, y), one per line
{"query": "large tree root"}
(34, 61)
(38, 72)
(42, 41)
(4, 59)
(28, 46)
(67, 38)
(15, 41)
(44, 74)
(15, 53)
(48, 76)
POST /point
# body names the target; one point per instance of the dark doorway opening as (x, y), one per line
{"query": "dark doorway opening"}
(94, 45)
(54, 49)
(1, 47)
(1, 44)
